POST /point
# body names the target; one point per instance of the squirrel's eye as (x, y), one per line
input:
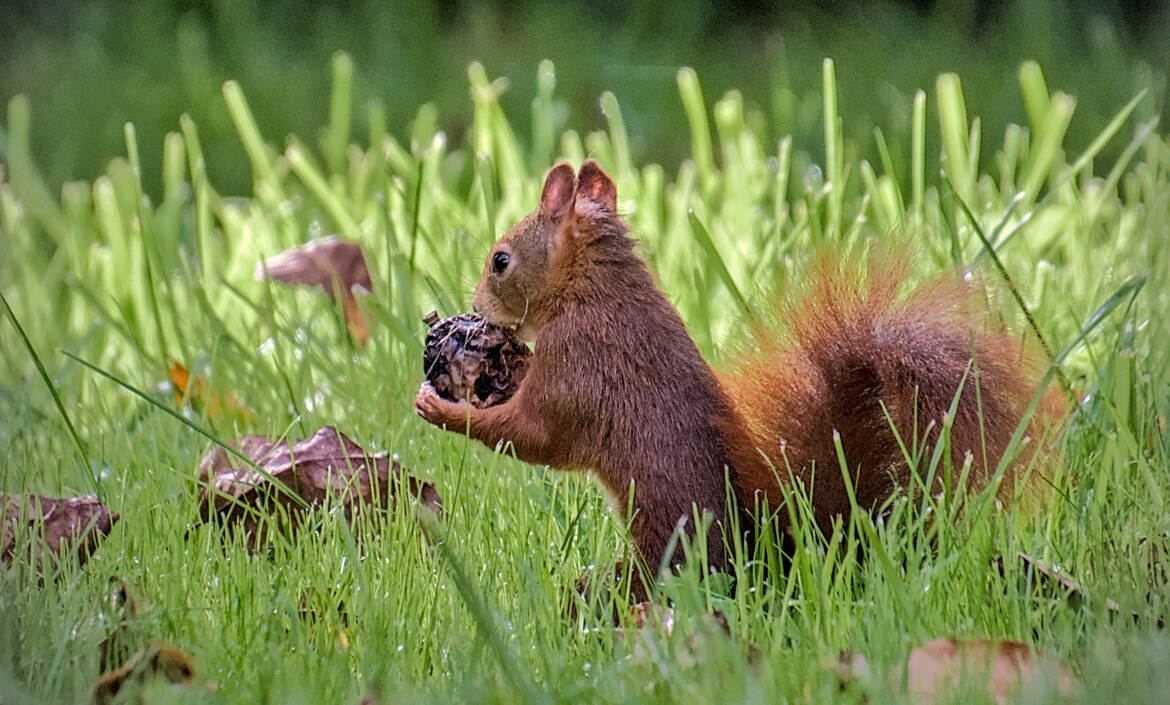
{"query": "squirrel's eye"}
(500, 262)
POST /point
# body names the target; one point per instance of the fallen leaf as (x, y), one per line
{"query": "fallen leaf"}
(650, 629)
(850, 666)
(314, 609)
(52, 526)
(159, 660)
(1146, 557)
(654, 616)
(195, 390)
(1041, 574)
(1073, 589)
(1152, 551)
(120, 605)
(1006, 667)
(335, 266)
(327, 469)
(935, 670)
(324, 262)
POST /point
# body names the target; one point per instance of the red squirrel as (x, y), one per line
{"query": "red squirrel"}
(660, 424)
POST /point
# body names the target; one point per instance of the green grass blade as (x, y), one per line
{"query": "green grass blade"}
(23, 175)
(32, 351)
(1046, 146)
(888, 166)
(249, 133)
(716, 260)
(1023, 306)
(543, 116)
(311, 177)
(617, 134)
(146, 237)
(340, 106)
(918, 153)
(1104, 136)
(834, 147)
(1127, 292)
(487, 625)
(952, 114)
(198, 170)
(1035, 94)
(276, 482)
(696, 110)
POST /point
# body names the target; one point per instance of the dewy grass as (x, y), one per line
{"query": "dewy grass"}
(108, 276)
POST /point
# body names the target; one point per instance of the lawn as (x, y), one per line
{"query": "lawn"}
(113, 286)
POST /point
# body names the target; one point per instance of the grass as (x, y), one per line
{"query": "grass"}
(103, 273)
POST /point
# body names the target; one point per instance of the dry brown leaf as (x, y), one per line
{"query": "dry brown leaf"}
(1006, 666)
(1041, 574)
(1151, 550)
(323, 263)
(654, 616)
(194, 390)
(937, 668)
(120, 604)
(327, 468)
(850, 666)
(122, 660)
(651, 627)
(1146, 556)
(333, 265)
(1072, 589)
(52, 526)
(315, 608)
(159, 660)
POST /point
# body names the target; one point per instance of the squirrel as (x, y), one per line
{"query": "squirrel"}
(616, 386)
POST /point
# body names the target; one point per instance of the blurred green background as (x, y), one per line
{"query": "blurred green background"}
(90, 66)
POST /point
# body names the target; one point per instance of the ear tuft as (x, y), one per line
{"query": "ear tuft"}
(595, 187)
(557, 197)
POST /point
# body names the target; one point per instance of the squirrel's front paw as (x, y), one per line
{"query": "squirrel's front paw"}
(439, 411)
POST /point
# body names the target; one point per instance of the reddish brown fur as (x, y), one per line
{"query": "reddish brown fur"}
(617, 387)
(852, 350)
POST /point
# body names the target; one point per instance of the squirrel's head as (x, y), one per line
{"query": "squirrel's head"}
(529, 267)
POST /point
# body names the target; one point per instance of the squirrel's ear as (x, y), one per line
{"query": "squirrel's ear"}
(595, 187)
(557, 197)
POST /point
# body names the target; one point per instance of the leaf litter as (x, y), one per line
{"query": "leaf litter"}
(158, 660)
(194, 389)
(935, 671)
(46, 529)
(325, 470)
(331, 264)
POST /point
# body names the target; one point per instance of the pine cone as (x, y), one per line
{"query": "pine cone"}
(468, 358)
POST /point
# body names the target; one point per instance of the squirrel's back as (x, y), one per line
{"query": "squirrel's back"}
(853, 355)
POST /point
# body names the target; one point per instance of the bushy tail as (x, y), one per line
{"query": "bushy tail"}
(854, 354)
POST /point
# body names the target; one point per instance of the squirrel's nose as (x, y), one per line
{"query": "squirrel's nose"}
(474, 308)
